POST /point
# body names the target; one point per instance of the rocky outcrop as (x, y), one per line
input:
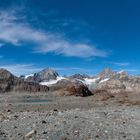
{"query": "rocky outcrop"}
(6, 75)
(9, 82)
(70, 87)
(31, 87)
(78, 90)
(108, 73)
(120, 81)
(6, 80)
(112, 86)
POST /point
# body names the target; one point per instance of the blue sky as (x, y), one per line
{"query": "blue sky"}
(71, 36)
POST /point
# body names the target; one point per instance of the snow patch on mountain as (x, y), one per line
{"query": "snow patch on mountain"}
(104, 80)
(122, 71)
(51, 82)
(26, 76)
(89, 81)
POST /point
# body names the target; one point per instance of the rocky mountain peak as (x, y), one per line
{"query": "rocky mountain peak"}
(106, 73)
(5, 74)
(46, 75)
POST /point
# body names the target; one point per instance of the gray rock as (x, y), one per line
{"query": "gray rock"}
(30, 134)
(44, 75)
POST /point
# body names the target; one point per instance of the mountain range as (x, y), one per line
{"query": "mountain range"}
(48, 80)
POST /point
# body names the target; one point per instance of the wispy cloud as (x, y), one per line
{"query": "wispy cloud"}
(15, 32)
(21, 69)
(132, 70)
(120, 63)
(1, 56)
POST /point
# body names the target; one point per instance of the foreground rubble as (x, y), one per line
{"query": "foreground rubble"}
(75, 124)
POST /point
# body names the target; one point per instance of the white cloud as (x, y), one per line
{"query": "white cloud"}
(120, 63)
(21, 69)
(16, 33)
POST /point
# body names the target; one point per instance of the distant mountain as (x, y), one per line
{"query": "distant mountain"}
(63, 87)
(46, 75)
(43, 76)
(49, 77)
(78, 85)
(106, 73)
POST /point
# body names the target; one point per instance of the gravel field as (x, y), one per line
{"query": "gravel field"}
(52, 120)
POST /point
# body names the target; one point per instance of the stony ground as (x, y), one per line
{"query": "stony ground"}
(66, 118)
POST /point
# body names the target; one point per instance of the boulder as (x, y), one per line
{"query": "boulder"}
(70, 87)
(78, 90)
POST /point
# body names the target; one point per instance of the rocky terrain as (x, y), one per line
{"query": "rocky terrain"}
(74, 124)
(46, 106)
